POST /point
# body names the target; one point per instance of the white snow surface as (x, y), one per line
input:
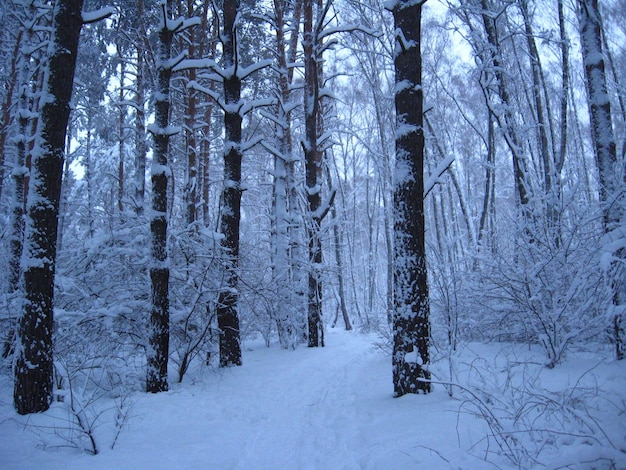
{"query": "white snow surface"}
(318, 408)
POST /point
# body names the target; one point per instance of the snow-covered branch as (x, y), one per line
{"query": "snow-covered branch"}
(248, 106)
(193, 85)
(173, 63)
(90, 17)
(245, 72)
(245, 146)
(433, 179)
(189, 64)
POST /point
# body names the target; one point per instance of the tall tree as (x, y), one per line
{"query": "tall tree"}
(140, 38)
(227, 316)
(20, 170)
(411, 327)
(283, 265)
(159, 328)
(313, 165)
(33, 366)
(8, 87)
(161, 130)
(506, 118)
(191, 124)
(611, 171)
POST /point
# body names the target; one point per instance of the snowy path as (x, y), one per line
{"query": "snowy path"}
(310, 408)
(328, 408)
(305, 409)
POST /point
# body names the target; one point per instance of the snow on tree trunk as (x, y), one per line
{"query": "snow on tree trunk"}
(504, 112)
(191, 185)
(313, 168)
(337, 239)
(411, 327)
(227, 316)
(281, 263)
(547, 150)
(20, 170)
(121, 132)
(140, 116)
(6, 112)
(33, 367)
(611, 171)
(158, 334)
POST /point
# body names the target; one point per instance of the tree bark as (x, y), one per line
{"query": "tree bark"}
(313, 168)
(339, 260)
(227, 315)
(191, 186)
(611, 171)
(505, 118)
(33, 366)
(140, 116)
(411, 326)
(7, 105)
(158, 329)
(121, 132)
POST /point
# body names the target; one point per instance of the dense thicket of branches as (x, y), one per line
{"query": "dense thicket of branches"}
(273, 190)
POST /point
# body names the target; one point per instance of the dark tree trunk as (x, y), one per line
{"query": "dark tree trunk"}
(411, 325)
(313, 168)
(33, 367)
(158, 340)
(227, 316)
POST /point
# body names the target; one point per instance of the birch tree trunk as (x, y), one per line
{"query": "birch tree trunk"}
(611, 170)
(504, 113)
(33, 367)
(16, 240)
(121, 133)
(191, 148)
(140, 115)
(7, 105)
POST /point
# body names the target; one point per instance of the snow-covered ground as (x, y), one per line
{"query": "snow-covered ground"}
(332, 408)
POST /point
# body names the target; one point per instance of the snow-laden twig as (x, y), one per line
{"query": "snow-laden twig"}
(97, 15)
(433, 179)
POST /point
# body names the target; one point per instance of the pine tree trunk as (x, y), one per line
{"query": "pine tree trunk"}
(227, 316)
(313, 167)
(411, 325)
(33, 367)
(158, 332)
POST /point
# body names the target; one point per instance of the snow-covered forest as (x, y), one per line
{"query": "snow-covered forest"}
(312, 234)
